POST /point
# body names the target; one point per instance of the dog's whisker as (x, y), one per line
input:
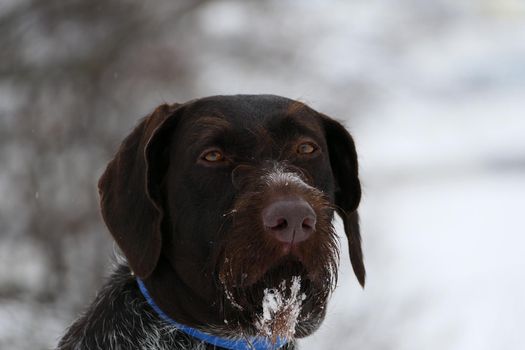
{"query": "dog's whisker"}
(231, 212)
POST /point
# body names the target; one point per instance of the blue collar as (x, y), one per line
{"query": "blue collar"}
(253, 343)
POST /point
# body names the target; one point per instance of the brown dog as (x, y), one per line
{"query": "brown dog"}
(223, 207)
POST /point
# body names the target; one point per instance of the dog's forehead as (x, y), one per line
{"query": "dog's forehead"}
(252, 112)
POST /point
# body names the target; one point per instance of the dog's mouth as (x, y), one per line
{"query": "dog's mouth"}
(257, 277)
(249, 290)
(249, 295)
(283, 270)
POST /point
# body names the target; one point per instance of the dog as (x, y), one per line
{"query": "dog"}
(223, 209)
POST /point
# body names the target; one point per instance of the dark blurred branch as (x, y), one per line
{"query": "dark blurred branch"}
(59, 58)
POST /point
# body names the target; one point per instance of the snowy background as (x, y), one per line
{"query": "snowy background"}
(433, 92)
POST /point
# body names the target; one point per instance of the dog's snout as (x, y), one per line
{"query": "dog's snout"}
(289, 220)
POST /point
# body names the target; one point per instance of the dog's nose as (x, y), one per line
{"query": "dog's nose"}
(290, 220)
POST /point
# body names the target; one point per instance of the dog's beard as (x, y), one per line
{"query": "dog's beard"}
(281, 308)
(288, 298)
(279, 294)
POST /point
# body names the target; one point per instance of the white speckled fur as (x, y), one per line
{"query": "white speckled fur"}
(280, 176)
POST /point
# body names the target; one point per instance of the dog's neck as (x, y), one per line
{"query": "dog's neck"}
(183, 302)
(217, 313)
(255, 343)
(121, 317)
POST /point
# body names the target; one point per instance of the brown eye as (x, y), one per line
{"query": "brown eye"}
(213, 156)
(306, 148)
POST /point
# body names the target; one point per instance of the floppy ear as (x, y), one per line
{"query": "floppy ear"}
(128, 189)
(343, 160)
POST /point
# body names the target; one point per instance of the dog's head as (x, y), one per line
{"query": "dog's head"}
(237, 195)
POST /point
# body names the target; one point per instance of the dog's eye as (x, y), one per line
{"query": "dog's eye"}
(213, 156)
(307, 148)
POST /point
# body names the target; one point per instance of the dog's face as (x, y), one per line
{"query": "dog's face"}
(237, 195)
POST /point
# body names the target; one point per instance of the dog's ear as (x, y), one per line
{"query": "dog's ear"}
(129, 193)
(343, 160)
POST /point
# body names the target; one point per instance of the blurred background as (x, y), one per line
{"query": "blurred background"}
(433, 92)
